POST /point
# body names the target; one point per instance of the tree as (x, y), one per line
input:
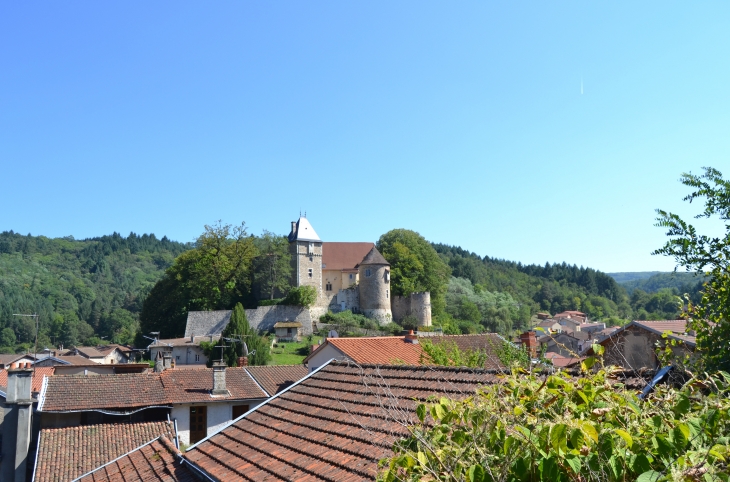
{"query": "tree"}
(415, 266)
(213, 276)
(272, 265)
(711, 255)
(239, 329)
(304, 296)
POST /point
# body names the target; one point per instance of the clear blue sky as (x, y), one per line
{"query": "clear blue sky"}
(463, 121)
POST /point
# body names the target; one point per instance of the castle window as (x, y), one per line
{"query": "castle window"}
(387, 293)
(309, 272)
(311, 248)
(367, 273)
(387, 276)
(328, 286)
(311, 259)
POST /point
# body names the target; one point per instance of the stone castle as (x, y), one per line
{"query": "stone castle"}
(350, 276)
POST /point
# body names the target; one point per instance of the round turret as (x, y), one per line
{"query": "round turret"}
(374, 274)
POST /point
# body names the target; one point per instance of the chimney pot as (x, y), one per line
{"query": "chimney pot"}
(219, 378)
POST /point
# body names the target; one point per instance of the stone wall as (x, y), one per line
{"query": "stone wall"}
(305, 256)
(375, 292)
(264, 317)
(416, 304)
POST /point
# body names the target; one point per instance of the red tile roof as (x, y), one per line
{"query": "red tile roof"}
(184, 385)
(275, 378)
(8, 359)
(37, 382)
(122, 392)
(67, 453)
(157, 461)
(333, 425)
(383, 350)
(561, 361)
(339, 256)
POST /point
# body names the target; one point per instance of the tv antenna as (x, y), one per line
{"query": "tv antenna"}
(239, 339)
(37, 318)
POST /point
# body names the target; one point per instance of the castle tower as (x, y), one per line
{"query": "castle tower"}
(306, 251)
(374, 274)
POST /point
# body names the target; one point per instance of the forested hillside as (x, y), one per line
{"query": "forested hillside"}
(82, 289)
(557, 287)
(679, 282)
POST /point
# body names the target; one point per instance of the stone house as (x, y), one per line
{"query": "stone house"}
(288, 331)
(634, 345)
(104, 354)
(564, 344)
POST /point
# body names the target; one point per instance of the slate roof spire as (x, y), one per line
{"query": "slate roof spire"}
(373, 258)
(302, 230)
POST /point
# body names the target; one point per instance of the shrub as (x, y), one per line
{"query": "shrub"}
(304, 296)
(560, 428)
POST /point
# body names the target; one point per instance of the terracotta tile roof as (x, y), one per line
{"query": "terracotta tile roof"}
(343, 256)
(333, 425)
(119, 391)
(193, 385)
(156, 461)
(561, 361)
(675, 326)
(67, 453)
(130, 391)
(275, 378)
(383, 350)
(37, 382)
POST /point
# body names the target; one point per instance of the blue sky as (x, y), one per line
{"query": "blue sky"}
(463, 121)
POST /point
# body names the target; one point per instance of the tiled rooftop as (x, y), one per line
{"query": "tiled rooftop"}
(157, 461)
(339, 256)
(67, 453)
(334, 425)
(394, 349)
(194, 385)
(206, 322)
(8, 359)
(37, 382)
(675, 326)
(275, 378)
(136, 390)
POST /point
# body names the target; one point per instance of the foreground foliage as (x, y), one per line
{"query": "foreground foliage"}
(709, 255)
(559, 428)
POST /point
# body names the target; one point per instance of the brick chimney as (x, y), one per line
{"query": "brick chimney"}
(529, 341)
(219, 378)
(17, 423)
(242, 361)
(411, 338)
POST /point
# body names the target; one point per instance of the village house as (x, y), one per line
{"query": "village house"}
(183, 351)
(564, 344)
(387, 350)
(288, 331)
(7, 360)
(198, 399)
(634, 345)
(104, 354)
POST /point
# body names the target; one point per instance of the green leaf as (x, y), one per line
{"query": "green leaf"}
(682, 406)
(558, 437)
(598, 349)
(649, 476)
(574, 462)
(625, 435)
(421, 412)
(576, 439)
(476, 473)
(458, 437)
(590, 431)
(438, 412)
(422, 458)
(640, 464)
(586, 364)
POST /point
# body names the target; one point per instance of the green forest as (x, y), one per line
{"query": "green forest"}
(93, 291)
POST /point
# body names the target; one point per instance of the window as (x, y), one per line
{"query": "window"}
(311, 259)
(387, 293)
(198, 423)
(288, 331)
(387, 276)
(309, 272)
(328, 286)
(177, 358)
(311, 248)
(351, 275)
(197, 357)
(239, 410)
(367, 273)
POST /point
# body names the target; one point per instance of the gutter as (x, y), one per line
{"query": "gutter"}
(259, 405)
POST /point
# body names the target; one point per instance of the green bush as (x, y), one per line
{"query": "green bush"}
(304, 296)
(275, 301)
(561, 428)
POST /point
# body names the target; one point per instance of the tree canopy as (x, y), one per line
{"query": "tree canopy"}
(415, 266)
(246, 340)
(709, 255)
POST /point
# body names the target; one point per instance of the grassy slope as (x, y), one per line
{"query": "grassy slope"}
(292, 353)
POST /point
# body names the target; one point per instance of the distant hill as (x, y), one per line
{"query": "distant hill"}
(83, 290)
(626, 277)
(681, 282)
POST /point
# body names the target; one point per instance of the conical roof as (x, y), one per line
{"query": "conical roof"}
(374, 257)
(304, 232)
